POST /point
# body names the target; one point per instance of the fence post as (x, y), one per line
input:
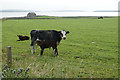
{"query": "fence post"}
(9, 56)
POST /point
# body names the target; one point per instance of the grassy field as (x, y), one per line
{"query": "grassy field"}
(90, 50)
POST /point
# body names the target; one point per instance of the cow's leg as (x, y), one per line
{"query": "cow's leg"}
(42, 51)
(33, 48)
(32, 45)
(55, 51)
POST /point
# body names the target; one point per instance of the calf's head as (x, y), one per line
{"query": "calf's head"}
(63, 34)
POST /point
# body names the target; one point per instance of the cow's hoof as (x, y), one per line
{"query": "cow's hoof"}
(55, 55)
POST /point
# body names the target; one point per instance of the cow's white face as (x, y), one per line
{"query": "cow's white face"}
(63, 32)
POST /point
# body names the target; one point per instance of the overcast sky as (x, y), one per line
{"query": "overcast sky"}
(48, 5)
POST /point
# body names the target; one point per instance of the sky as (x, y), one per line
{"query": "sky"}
(51, 5)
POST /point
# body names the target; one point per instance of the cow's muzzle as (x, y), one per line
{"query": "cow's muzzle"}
(64, 38)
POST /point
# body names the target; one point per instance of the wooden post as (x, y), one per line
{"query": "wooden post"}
(9, 56)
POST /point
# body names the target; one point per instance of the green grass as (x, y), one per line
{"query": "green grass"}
(46, 17)
(79, 56)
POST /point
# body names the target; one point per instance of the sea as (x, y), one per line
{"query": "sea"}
(59, 14)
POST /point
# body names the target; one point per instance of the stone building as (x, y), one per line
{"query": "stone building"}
(31, 15)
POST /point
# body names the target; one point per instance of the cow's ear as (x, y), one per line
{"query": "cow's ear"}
(67, 32)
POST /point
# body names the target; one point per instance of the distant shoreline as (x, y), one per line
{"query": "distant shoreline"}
(58, 14)
(54, 17)
(24, 18)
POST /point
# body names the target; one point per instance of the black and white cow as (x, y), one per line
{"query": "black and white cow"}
(47, 39)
